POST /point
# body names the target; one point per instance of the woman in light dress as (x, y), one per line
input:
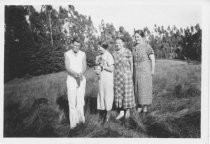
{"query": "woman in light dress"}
(106, 89)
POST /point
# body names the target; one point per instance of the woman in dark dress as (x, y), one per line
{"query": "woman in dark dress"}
(144, 67)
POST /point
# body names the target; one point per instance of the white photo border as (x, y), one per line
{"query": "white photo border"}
(205, 25)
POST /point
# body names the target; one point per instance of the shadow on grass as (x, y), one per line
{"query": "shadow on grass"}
(107, 133)
(36, 121)
(187, 126)
(91, 104)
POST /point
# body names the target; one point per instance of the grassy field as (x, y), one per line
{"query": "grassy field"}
(32, 106)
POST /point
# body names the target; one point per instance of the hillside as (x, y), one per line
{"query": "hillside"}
(31, 106)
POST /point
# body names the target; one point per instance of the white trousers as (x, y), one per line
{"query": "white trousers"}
(76, 100)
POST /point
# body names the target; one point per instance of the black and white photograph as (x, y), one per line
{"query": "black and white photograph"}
(113, 70)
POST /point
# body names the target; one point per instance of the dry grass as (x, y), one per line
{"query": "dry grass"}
(175, 111)
(32, 106)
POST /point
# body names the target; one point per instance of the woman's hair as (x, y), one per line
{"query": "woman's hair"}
(140, 32)
(120, 39)
(103, 44)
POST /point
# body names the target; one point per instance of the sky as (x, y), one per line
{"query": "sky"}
(139, 15)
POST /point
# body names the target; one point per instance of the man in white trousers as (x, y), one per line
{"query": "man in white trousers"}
(75, 63)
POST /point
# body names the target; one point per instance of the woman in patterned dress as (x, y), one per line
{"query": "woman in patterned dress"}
(144, 67)
(123, 82)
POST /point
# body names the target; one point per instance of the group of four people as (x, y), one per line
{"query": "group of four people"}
(125, 79)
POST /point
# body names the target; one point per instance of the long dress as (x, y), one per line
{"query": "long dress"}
(75, 90)
(106, 87)
(142, 73)
(123, 81)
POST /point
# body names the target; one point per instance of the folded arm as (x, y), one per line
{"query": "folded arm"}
(109, 68)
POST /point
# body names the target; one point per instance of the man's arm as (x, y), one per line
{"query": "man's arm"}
(68, 69)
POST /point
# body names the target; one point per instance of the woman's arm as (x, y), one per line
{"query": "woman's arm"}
(84, 64)
(131, 63)
(130, 60)
(152, 58)
(109, 64)
(109, 68)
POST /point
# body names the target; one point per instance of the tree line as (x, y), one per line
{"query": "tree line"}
(35, 42)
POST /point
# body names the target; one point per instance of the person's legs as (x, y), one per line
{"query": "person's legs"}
(108, 113)
(140, 108)
(71, 91)
(80, 101)
(107, 116)
(109, 96)
(102, 114)
(120, 115)
(127, 113)
(145, 109)
(100, 96)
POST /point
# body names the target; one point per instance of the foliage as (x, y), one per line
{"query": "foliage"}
(175, 43)
(109, 33)
(35, 42)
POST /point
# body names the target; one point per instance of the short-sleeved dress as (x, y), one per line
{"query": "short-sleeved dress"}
(123, 81)
(106, 87)
(142, 73)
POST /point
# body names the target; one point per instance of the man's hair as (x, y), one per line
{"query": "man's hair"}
(75, 39)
